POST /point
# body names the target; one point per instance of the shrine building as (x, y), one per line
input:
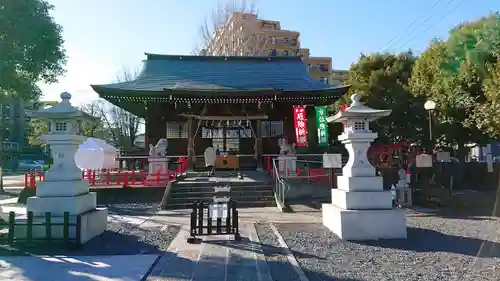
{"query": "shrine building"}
(239, 105)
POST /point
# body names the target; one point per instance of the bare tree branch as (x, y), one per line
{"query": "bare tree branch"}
(118, 124)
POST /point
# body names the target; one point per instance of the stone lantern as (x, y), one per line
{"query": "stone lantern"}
(360, 208)
(63, 189)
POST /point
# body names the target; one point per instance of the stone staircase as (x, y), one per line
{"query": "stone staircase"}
(251, 191)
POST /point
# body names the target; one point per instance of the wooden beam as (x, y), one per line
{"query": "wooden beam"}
(225, 118)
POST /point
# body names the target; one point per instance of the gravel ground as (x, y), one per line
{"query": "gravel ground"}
(119, 239)
(437, 248)
(280, 268)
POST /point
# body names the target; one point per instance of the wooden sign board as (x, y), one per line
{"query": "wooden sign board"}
(423, 161)
(332, 160)
(443, 156)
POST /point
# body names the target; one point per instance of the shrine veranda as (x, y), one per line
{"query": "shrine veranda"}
(239, 105)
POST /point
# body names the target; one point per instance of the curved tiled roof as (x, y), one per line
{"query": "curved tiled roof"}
(221, 74)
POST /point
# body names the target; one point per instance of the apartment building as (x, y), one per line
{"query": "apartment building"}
(244, 34)
(338, 77)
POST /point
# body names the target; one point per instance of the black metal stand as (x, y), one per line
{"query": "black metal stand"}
(202, 222)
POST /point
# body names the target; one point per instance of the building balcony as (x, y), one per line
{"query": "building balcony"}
(10, 146)
(282, 43)
(318, 69)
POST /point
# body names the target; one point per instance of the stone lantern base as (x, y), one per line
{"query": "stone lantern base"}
(362, 210)
(58, 197)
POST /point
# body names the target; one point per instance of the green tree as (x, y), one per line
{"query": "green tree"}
(38, 127)
(382, 80)
(31, 47)
(459, 75)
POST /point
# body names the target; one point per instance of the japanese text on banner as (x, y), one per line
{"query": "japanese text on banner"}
(300, 125)
(322, 125)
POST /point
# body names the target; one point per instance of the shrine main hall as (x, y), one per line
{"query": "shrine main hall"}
(237, 105)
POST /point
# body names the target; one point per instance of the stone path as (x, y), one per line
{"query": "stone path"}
(218, 258)
(102, 268)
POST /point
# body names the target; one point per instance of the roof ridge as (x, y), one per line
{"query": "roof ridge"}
(151, 56)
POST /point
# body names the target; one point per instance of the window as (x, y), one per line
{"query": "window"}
(359, 126)
(309, 67)
(272, 52)
(273, 40)
(324, 80)
(323, 67)
(271, 128)
(285, 40)
(285, 53)
(294, 42)
(233, 145)
(294, 53)
(60, 126)
(177, 130)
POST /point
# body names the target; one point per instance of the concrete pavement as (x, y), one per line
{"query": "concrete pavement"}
(105, 268)
(218, 258)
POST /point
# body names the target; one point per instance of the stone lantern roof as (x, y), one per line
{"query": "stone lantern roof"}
(358, 111)
(62, 110)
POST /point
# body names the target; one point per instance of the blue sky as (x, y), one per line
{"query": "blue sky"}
(104, 36)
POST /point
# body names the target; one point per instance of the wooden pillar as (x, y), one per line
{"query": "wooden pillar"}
(190, 148)
(258, 133)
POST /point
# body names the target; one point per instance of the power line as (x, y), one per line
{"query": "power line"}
(415, 21)
(420, 25)
(433, 24)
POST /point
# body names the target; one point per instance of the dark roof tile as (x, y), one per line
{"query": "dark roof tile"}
(204, 73)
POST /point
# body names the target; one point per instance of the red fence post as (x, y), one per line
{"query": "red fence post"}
(133, 177)
(143, 177)
(118, 178)
(125, 179)
(92, 182)
(32, 180)
(108, 177)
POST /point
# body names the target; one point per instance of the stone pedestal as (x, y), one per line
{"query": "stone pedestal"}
(360, 208)
(63, 190)
(157, 167)
(287, 165)
(403, 193)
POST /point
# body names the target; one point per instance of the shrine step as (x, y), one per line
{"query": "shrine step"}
(210, 187)
(244, 204)
(256, 194)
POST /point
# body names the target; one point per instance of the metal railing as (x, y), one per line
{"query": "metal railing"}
(281, 187)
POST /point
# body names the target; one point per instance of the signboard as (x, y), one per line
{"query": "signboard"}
(332, 160)
(443, 156)
(489, 162)
(216, 211)
(299, 116)
(219, 207)
(321, 126)
(423, 161)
